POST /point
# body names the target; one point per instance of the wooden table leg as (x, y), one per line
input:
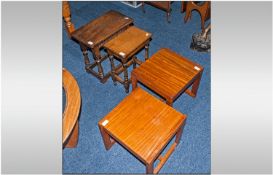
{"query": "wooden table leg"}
(134, 62)
(179, 133)
(169, 102)
(97, 57)
(108, 142)
(134, 81)
(146, 52)
(85, 56)
(195, 86)
(150, 168)
(126, 80)
(113, 69)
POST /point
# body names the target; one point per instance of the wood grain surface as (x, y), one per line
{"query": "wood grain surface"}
(101, 28)
(72, 108)
(142, 124)
(167, 73)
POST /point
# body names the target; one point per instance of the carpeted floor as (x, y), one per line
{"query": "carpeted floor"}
(192, 155)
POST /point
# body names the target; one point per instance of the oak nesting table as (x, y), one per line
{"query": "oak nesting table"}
(124, 48)
(94, 34)
(169, 75)
(144, 126)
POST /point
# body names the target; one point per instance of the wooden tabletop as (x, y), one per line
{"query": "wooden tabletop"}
(128, 42)
(167, 73)
(142, 124)
(73, 103)
(101, 28)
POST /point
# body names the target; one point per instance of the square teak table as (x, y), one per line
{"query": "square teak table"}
(124, 47)
(169, 75)
(144, 126)
(94, 34)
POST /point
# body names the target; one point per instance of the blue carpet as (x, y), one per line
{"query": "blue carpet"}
(192, 155)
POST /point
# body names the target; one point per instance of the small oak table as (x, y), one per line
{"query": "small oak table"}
(144, 126)
(124, 47)
(168, 74)
(94, 34)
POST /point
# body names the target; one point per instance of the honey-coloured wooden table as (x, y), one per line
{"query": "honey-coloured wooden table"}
(94, 34)
(169, 75)
(124, 47)
(144, 126)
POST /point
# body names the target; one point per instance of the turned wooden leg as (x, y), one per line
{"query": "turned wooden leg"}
(97, 57)
(126, 80)
(73, 138)
(146, 52)
(69, 26)
(113, 69)
(134, 62)
(150, 168)
(85, 56)
(134, 82)
(108, 142)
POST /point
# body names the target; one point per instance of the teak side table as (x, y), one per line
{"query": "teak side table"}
(94, 34)
(144, 126)
(124, 47)
(168, 74)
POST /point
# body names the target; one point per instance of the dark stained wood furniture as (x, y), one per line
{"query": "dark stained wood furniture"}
(202, 7)
(94, 34)
(163, 5)
(124, 48)
(169, 75)
(144, 126)
(69, 26)
(72, 109)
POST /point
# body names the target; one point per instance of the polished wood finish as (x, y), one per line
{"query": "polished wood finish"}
(144, 126)
(93, 35)
(124, 47)
(163, 5)
(69, 26)
(72, 109)
(203, 9)
(168, 74)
